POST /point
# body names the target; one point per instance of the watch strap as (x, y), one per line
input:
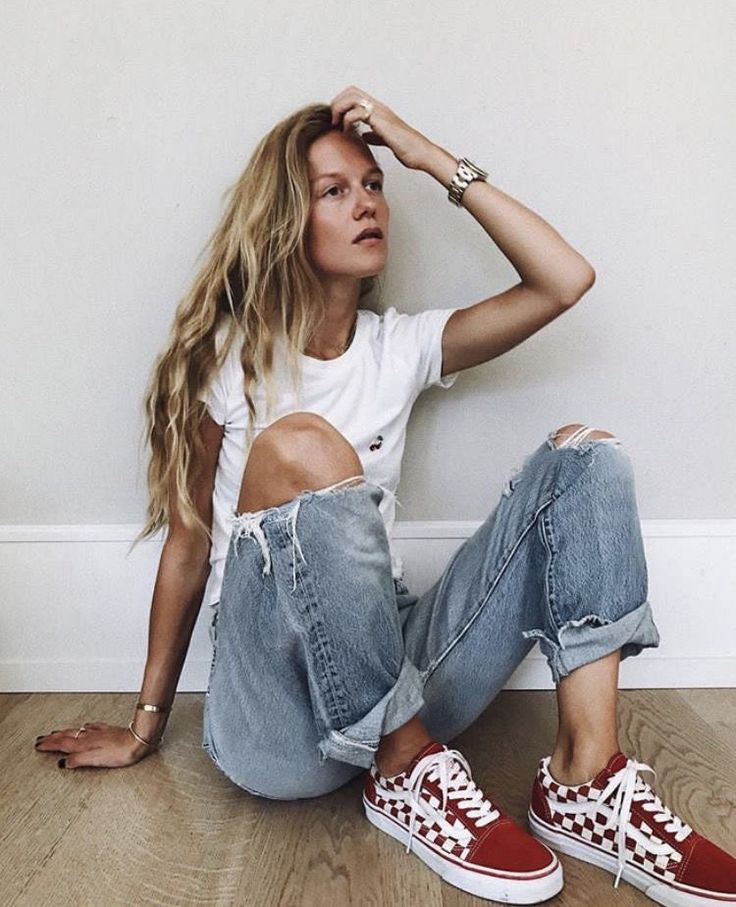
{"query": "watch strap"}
(466, 172)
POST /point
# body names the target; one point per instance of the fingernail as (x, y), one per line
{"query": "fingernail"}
(62, 762)
(40, 737)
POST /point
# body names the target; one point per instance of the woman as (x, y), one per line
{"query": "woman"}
(277, 419)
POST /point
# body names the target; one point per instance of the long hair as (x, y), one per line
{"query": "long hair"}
(256, 282)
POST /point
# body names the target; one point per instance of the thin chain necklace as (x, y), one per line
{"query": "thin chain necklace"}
(347, 342)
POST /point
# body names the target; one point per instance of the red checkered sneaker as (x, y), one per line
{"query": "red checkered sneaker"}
(438, 811)
(617, 822)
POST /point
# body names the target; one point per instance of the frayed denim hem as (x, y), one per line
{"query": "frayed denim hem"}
(589, 638)
(358, 742)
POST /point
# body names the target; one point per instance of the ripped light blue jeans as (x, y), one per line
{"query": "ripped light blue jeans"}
(318, 651)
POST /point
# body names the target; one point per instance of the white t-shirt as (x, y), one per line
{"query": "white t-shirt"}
(367, 393)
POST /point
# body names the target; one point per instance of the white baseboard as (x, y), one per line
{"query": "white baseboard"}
(75, 608)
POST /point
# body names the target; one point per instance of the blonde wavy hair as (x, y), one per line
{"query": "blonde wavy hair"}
(256, 280)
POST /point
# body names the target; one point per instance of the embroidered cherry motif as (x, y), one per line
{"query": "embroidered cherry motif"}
(377, 443)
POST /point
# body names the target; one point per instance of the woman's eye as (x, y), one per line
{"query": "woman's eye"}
(372, 183)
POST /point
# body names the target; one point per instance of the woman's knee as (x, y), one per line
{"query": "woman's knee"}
(297, 452)
(306, 440)
(573, 434)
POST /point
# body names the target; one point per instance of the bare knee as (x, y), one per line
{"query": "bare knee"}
(567, 431)
(297, 452)
(308, 442)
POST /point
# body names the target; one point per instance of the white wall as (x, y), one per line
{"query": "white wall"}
(123, 124)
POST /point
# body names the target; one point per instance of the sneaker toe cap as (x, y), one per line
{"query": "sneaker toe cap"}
(506, 846)
(710, 868)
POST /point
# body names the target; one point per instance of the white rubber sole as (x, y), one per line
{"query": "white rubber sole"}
(661, 892)
(510, 888)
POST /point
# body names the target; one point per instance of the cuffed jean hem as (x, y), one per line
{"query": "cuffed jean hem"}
(582, 641)
(357, 743)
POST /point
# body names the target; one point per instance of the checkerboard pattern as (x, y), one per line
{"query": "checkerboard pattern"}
(589, 825)
(391, 796)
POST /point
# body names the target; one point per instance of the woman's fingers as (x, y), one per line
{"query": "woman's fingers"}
(71, 738)
(50, 742)
(342, 103)
(384, 127)
(99, 756)
(61, 742)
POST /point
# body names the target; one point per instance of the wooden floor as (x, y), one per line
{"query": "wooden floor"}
(173, 830)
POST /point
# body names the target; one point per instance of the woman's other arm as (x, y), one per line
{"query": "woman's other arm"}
(178, 590)
(554, 275)
(541, 257)
(177, 598)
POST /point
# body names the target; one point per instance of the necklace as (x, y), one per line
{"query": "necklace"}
(345, 345)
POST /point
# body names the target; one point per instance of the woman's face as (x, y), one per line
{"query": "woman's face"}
(346, 198)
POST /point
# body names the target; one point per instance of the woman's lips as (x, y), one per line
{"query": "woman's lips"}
(369, 241)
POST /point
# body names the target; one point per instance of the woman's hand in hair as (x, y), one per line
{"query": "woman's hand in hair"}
(100, 745)
(386, 128)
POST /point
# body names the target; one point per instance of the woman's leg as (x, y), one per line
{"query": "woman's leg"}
(577, 583)
(587, 732)
(561, 560)
(586, 699)
(309, 665)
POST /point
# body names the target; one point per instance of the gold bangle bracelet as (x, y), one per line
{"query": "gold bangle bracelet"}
(141, 740)
(146, 707)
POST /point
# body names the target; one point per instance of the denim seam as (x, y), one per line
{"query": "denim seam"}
(337, 707)
(435, 664)
(556, 494)
(546, 532)
(213, 635)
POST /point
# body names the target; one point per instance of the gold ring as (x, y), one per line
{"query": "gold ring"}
(368, 107)
(82, 728)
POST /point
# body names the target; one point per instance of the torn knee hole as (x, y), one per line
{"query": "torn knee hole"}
(573, 435)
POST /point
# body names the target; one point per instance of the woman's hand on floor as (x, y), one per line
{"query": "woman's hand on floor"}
(101, 745)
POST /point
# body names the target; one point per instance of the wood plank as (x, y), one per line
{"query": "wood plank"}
(718, 708)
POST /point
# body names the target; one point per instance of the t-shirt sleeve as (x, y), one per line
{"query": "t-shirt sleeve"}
(418, 339)
(217, 394)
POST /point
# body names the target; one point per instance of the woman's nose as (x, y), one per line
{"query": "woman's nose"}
(366, 200)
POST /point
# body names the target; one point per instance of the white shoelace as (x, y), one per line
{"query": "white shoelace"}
(450, 768)
(630, 787)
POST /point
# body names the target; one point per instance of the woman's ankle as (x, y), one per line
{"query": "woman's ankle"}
(397, 749)
(393, 763)
(581, 764)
